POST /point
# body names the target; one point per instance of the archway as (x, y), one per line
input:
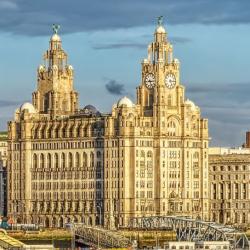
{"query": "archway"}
(90, 221)
(47, 224)
(61, 222)
(97, 220)
(54, 222)
(68, 219)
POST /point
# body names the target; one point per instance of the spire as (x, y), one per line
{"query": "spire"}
(55, 37)
(55, 55)
(160, 20)
(55, 93)
(55, 28)
(160, 28)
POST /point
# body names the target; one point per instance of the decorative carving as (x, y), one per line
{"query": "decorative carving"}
(55, 28)
(148, 68)
(54, 70)
(160, 20)
(69, 69)
(41, 70)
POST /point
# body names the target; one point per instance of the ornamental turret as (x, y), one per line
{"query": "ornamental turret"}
(55, 93)
(160, 89)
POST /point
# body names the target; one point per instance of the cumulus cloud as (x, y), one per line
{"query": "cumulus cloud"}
(121, 45)
(7, 5)
(227, 106)
(114, 87)
(136, 45)
(8, 103)
(179, 40)
(100, 15)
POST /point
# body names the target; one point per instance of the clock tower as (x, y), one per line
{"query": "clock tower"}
(160, 80)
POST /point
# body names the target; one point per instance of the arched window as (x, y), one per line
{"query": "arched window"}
(42, 132)
(196, 155)
(142, 153)
(63, 160)
(42, 161)
(84, 159)
(64, 132)
(36, 133)
(70, 160)
(77, 161)
(49, 160)
(56, 160)
(56, 133)
(79, 131)
(172, 129)
(71, 132)
(98, 154)
(35, 161)
(92, 159)
(49, 132)
(244, 218)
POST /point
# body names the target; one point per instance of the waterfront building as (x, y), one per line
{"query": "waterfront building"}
(3, 190)
(3, 173)
(230, 187)
(145, 158)
(3, 147)
(212, 245)
(228, 151)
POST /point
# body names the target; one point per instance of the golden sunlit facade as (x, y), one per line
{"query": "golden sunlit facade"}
(230, 185)
(149, 158)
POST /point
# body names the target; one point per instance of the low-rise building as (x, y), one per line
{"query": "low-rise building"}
(3, 173)
(3, 147)
(230, 188)
(212, 245)
(228, 151)
(3, 191)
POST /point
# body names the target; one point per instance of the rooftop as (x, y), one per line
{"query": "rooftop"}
(3, 135)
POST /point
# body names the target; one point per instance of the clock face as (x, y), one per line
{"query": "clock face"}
(150, 81)
(170, 80)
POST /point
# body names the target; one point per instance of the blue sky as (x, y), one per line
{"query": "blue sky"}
(106, 41)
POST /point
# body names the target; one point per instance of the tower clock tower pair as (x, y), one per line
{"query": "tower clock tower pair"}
(170, 80)
(160, 75)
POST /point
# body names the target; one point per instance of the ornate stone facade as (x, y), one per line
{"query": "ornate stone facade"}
(3, 173)
(148, 158)
(3, 148)
(230, 188)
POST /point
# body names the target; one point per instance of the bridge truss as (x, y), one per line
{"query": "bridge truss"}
(192, 230)
(99, 237)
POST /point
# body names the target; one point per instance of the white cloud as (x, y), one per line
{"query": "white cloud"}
(8, 5)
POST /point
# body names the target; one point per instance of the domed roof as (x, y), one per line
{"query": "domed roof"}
(28, 106)
(189, 102)
(125, 101)
(90, 109)
(160, 29)
(56, 38)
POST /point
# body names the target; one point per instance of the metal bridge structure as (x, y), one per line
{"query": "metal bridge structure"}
(192, 230)
(99, 237)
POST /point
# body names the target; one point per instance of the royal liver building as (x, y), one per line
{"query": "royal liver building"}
(68, 164)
